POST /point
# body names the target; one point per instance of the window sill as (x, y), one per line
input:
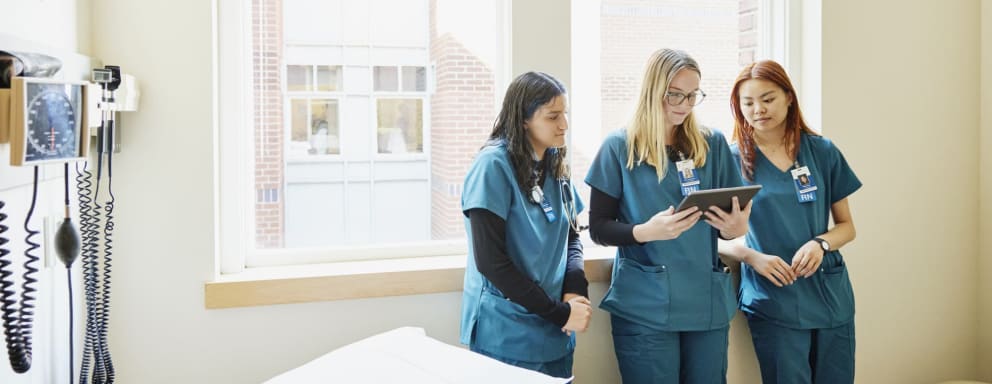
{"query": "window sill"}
(359, 279)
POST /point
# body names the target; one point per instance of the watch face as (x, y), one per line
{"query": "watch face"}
(53, 121)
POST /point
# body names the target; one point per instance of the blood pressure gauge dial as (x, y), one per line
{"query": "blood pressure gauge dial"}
(49, 121)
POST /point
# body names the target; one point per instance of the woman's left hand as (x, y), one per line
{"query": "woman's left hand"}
(731, 224)
(807, 259)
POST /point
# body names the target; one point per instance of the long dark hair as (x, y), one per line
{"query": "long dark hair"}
(744, 132)
(525, 95)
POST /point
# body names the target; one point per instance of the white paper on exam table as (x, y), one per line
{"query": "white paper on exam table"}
(408, 355)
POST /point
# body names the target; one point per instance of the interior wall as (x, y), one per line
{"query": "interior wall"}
(913, 263)
(985, 199)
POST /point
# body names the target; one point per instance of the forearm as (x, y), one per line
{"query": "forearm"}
(736, 250)
(575, 274)
(839, 235)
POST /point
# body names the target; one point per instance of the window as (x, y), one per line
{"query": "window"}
(358, 122)
(314, 109)
(612, 40)
(346, 131)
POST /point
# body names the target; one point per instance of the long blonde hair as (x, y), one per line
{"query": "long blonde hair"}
(646, 131)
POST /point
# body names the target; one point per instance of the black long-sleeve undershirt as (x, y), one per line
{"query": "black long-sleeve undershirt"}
(493, 262)
(604, 225)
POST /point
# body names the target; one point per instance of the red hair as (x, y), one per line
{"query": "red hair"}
(744, 132)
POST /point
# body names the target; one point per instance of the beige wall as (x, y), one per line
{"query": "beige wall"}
(913, 265)
(985, 253)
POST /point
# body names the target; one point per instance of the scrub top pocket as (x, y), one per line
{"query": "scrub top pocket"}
(837, 292)
(639, 293)
(506, 329)
(724, 298)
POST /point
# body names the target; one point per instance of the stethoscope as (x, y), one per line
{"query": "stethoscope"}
(537, 197)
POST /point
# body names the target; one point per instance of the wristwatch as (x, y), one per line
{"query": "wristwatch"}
(823, 243)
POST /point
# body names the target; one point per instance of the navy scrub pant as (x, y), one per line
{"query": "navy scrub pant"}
(803, 356)
(645, 355)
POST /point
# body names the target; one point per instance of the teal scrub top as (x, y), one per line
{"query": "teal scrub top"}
(537, 247)
(667, 285)
(780, 225)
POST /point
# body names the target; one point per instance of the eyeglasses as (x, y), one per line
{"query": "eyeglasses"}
(677, 98)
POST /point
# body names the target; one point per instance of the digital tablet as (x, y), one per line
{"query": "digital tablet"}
(720, 197)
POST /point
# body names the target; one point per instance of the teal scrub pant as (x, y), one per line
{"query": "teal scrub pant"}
(798, 356)
(558, 368)
(645, 355)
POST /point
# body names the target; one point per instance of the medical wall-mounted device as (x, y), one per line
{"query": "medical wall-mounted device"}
(48, 121)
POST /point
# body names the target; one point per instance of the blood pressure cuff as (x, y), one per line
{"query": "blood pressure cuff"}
(26, 65)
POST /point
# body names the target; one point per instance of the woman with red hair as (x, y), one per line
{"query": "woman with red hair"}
(795, 289)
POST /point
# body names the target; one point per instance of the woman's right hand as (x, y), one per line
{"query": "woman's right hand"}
(666, 225)
(772, 268)
(579, 317)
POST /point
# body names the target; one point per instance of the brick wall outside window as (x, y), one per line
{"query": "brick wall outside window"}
(708, 30)
(268, 122)
(462, 114)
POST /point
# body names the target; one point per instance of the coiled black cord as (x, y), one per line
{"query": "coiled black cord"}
(89, 213)
(108, 247)
(96, 275)
(12, 331)
(88, 229)
(30, 270)
(18, 321)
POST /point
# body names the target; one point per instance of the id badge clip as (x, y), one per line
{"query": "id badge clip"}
(688, 177)
(805, 186)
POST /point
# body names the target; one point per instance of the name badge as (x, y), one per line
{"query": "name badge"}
(805, 186)
(548, 211)
(688, 177)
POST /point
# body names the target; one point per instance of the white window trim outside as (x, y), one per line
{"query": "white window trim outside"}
(790, 32)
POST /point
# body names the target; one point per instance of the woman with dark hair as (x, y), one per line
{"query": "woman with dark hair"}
(795, 290)
(525, 290)
(670, 298)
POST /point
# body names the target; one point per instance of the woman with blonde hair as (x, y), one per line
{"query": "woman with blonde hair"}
(670, 298)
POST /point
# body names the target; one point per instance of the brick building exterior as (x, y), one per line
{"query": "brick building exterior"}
(462, 114)
(267, 70)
